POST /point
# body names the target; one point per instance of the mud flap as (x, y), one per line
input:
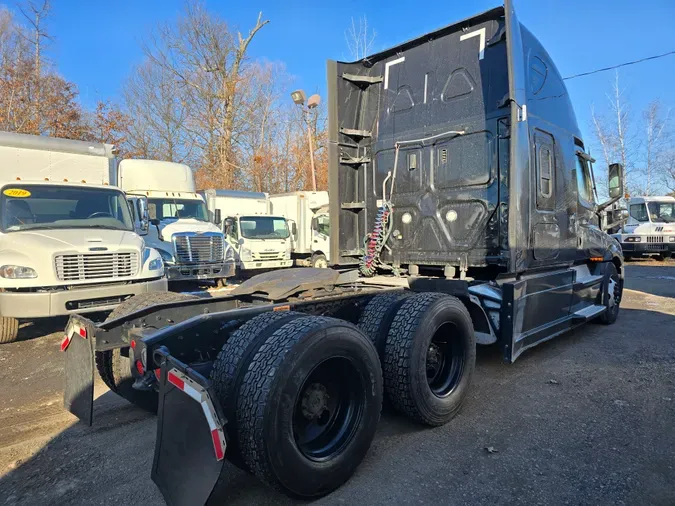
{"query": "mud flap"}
(78, 391)
(190, 445)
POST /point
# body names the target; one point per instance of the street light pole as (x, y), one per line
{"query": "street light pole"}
(298, 97)
(311, 147)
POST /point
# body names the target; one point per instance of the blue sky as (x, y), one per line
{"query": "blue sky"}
(97, 43)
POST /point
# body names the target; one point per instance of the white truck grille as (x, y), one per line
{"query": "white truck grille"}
(198, 248)
(268, 255)
(96, 266)
(654, 238)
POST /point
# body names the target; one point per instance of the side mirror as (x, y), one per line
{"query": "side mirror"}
(143, 217)
(155, 222)
(315, 223)
(217, 218)
(294, 229)
(615, 176)
(227, 226)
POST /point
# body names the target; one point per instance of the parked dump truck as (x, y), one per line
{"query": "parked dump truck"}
(649, 229)
(261, 240)
(67, 239)
(307, 212)
(462, 212)
(192, 247)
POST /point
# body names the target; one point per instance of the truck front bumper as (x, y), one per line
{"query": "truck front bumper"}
(199, 271)
(643, 248)
(76, 300)
(265, 264)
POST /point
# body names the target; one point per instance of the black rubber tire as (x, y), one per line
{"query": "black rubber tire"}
(610, 315)
(377, 316)
(232, 364)
(405, 362)
(627, 258)
(268, 397)
(9, 329)
(659, 258)
(114, 368)
(319, 261)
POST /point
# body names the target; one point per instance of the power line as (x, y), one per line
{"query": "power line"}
(620, 65)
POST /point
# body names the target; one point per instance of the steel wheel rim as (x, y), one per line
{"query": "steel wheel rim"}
(328, 409)
(444, 361)
(614, 292)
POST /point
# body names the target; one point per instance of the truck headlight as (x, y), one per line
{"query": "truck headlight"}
(155, 264)
(229, 254)
(633, 239)
(245, 255)
(17, 272)
(671, 238)
(166, 256)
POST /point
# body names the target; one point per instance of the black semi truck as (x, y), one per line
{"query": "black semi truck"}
(463, 212)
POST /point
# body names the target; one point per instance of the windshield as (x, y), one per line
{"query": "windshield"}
(165, 209)
(662, 211)
(263, 227)
(29, 207)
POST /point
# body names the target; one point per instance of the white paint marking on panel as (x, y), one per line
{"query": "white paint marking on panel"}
(386, 70)
(478, 33)
(426, 79)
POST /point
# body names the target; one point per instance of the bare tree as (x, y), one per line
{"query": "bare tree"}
(655, 125)
(615, 135)
(208, 61)
(155, 101)
(36, 16)
(360, 38)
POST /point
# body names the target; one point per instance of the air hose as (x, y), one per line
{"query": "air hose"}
(375, 241)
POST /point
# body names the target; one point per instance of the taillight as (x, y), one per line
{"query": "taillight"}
(139, 367)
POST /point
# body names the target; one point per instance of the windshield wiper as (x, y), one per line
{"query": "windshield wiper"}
(100, 226)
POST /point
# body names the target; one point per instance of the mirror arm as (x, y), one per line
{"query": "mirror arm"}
(607, 203)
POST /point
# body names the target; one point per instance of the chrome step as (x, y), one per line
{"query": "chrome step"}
(589, 312)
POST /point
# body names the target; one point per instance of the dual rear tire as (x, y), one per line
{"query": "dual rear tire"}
(427, 347)
(302, 394)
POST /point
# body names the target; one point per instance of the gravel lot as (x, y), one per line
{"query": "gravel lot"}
(588, 418)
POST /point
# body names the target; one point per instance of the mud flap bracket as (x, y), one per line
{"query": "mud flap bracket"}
(190, 445)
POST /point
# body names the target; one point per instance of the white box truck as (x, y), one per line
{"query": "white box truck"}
(193, 248)
(649, 229)
(67, 239)
(260, 240)
(309, 212)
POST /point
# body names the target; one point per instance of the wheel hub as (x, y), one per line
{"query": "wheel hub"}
(613, 290)
(433, 359)
(315, 401)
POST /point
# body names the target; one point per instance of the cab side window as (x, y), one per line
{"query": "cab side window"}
(132, 208)
(639, 212)
(584, 180)
(545, 165)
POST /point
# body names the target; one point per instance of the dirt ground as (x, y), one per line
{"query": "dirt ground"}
(587, 418)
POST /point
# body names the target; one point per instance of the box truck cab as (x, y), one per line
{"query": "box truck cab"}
(309, 212)
(260, 240)
(650, 227)
(192, 247)
(67, 239)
